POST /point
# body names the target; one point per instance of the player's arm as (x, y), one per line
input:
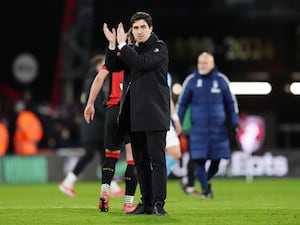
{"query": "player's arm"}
(97, 84)
(175, 117)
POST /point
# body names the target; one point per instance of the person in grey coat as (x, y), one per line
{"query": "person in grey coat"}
(145, 105)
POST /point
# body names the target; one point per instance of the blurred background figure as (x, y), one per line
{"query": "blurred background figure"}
(4, 137)
(213, 109)
(28, 130)
(187, 182)
(91, 135)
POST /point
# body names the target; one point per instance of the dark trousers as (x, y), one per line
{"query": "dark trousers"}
(149, 155)
(90, 150)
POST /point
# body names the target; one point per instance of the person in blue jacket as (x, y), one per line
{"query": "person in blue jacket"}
(214, 111)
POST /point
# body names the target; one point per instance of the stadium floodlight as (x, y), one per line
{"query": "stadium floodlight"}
(295, 88)
(250, 88)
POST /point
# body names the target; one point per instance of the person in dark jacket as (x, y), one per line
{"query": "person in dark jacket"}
(213, 109)
(145, 105)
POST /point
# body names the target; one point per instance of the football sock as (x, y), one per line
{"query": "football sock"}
(105, 188)
(213, 169)
(108, 168)
(70, 179)
(130, 179)
(191, 173)
(128, 199)
(85, 159)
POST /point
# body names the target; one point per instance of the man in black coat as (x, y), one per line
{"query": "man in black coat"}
(145, 105)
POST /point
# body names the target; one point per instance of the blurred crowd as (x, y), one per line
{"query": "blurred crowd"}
(30, 127)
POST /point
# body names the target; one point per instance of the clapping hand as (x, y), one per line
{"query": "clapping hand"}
(121, 34)
(110, 35)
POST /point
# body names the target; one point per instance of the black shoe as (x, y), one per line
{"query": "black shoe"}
(141, 209)
(158, 209)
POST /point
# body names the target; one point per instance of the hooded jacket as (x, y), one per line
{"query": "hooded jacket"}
(213, 107)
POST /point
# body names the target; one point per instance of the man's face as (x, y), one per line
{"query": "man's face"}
(205, 64)
(141, 31)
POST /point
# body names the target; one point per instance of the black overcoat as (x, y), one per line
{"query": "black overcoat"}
(145, 83)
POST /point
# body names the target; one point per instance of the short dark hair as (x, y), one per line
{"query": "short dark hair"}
(141, 16)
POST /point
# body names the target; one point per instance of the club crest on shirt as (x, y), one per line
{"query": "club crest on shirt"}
(156, 50)
(199, 83)
(215, 87)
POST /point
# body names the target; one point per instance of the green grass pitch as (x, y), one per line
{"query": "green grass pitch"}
(262, 202)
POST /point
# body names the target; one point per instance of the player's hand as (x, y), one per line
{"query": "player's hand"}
(110, 35)
(89, 113)
(178, 127)
(121, 34)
